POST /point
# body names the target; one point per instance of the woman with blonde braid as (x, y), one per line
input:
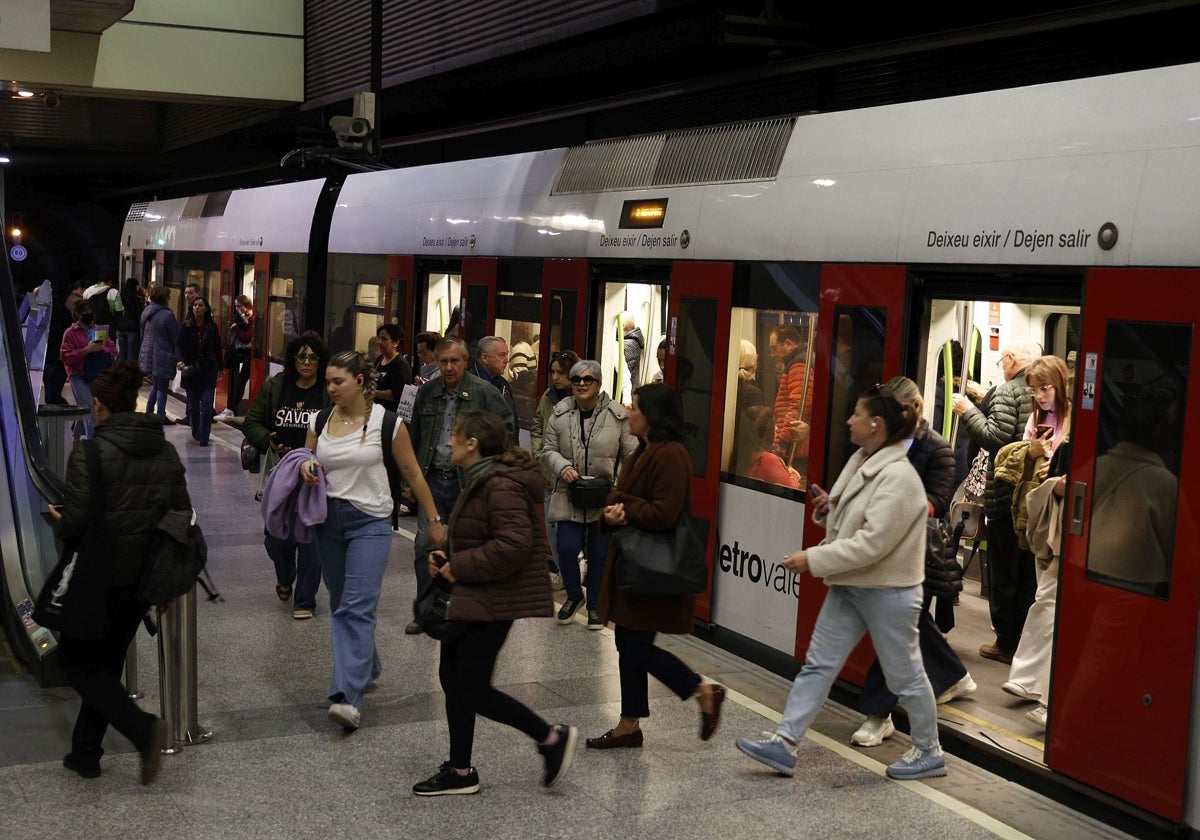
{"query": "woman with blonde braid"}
(356, 537)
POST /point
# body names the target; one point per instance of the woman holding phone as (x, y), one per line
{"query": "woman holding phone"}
(79, 341)
(873, 561)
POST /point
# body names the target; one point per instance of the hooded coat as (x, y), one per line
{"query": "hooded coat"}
(160, 328)
(142, 478)
(498, 546)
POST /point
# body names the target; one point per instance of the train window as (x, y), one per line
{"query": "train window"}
(443, 291)
(563, 335)
(348, 327)
(773, 322)
(1138, 443)
(285, 303)
(857, 355)
(694, 375)
(519, 322)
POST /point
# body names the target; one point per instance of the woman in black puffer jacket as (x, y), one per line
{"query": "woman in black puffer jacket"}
(497, 563)
(141, 475)
(933, 459)
(198, 349)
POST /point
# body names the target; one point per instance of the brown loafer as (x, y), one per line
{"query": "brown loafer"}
(996, 653)
(710, 720)
(412, 629)
(610, 741)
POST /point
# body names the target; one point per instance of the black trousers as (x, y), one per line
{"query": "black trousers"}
(94, 670)
(942, 666)
(465, 670)
(1012, 577)
(638, 659)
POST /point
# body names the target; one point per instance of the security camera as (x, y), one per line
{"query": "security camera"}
(347, 128)
(51, 99)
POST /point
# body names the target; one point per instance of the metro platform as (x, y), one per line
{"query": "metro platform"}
(277, 767)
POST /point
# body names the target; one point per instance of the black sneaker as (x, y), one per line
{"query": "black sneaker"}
(559, 755)
(594, 622)
(447, 781)
(569, 608)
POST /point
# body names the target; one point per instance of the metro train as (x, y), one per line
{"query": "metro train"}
(1064, 213)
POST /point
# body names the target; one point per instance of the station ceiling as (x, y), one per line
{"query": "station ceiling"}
(693, 63)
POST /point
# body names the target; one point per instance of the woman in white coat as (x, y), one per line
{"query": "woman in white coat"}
(587, 434)
(873, 561)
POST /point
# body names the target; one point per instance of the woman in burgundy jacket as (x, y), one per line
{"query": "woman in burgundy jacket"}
(497, 563)
(652, 491)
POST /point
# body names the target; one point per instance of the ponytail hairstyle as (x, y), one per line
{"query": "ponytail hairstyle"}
(356, 363)
(899, 419)
(906, 391)
(492, 436)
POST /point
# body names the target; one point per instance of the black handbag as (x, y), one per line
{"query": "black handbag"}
(74, 598)
(431, 608)
(251, 457)
(670, 562)
(589, 492)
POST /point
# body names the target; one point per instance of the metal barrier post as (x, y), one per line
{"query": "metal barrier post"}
(168, 678)
(131, 671)
(188, 684)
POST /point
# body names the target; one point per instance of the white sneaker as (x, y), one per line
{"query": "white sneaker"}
(345, 714)
(224, 415)
(961, 688)
(556, 581)
(1038, 716)
(1018, 690)
(873, 731)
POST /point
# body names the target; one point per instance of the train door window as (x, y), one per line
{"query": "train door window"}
(443, 292)
(772, 327)
(350, 274)
(631, 324)
(563, 332)
(1139, 440)
(857, 364)
(694, 375)
(285, 295)
(1062, 336)
(518, 322)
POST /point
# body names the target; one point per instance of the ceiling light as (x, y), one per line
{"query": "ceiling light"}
(26, 94)
(5, 159)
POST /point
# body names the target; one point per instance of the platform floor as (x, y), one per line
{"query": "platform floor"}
(277, 767)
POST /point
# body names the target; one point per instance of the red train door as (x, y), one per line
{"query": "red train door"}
(698, 311)
(1125, 644)
(478, 297)
(564, 299)
(860, 333)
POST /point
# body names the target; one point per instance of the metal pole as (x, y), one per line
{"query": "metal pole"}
(131, 671)
(168, 678)
(193, 732)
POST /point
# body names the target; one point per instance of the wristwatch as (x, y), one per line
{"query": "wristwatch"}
(437, 518)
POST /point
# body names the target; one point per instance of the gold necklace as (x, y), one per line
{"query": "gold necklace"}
(348, 421)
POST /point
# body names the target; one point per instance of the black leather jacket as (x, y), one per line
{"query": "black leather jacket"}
(141, 474)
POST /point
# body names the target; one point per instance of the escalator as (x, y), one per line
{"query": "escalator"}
(27, 483)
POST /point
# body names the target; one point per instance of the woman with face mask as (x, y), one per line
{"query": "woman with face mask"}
(78, 342)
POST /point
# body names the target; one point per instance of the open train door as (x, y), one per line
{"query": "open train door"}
(860, 336)
(1121, 696)
(698, 310)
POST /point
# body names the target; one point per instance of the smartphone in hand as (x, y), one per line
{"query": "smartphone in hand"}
(814, 490)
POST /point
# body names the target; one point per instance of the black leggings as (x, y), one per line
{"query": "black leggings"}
(466, 673)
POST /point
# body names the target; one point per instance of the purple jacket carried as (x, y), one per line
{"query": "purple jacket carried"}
(290, 508)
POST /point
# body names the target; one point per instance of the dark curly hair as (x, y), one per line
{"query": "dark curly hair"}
(311, 340)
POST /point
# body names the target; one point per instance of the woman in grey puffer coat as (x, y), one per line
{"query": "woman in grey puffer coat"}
(157, 354)
(586, 435)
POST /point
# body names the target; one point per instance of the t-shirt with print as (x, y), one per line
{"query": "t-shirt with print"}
(297, 406)
(391, 376)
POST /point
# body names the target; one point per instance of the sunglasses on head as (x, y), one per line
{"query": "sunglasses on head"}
(583, 380)
(307, 357)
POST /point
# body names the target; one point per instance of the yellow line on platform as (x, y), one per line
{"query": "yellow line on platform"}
(950, 711)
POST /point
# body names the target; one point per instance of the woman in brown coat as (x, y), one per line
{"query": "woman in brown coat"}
(652, 492)
(497, 563)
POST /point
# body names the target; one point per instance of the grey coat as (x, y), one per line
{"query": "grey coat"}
(1003, 424)
(609, 443)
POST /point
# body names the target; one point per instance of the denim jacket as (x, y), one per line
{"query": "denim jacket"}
(473, 394)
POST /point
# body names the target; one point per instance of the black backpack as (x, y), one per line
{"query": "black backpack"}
(177, 556)
(390, 418)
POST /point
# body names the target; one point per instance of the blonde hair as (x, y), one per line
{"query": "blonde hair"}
(356, 363)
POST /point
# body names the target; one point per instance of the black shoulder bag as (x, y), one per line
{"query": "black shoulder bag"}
(74, 598)
(588, 492)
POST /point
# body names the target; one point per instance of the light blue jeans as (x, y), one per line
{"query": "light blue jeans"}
(891, 617)
(354, 550)
(82, 392)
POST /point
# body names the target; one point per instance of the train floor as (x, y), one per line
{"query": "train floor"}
(277, 767)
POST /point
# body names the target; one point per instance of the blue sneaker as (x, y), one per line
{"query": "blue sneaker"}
(918, 764)
(773, 752)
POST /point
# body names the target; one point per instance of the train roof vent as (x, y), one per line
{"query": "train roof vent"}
(137, 212)
(750, 151)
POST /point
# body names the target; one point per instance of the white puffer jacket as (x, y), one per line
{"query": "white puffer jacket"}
(563, 446)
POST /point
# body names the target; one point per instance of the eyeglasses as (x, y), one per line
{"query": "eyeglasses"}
(307, 357)
(1000, 361)
(584, 380)
(563, 356)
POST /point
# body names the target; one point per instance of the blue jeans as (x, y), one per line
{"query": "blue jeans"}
(354, 549)
(156, 401)
(890, 615)
(82, 391)
(200, 407)
(127, 346)
(445, 492)
(571, 537)
(551, 533)
(299, 563)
